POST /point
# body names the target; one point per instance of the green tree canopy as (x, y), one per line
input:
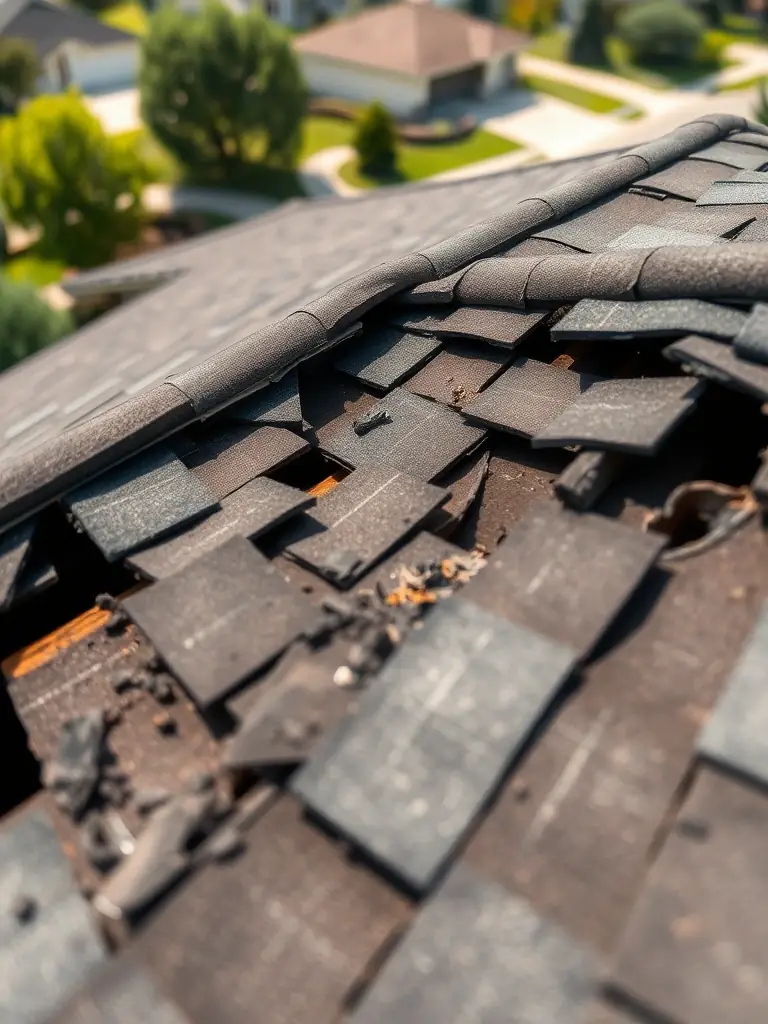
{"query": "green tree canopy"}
(588, 39)
(218, 86)
(62, 174)
(19, 70)
(662, 32)
(375, 139)
(27, 322)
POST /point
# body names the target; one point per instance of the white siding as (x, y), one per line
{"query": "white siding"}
(402, 94)
(103, 68)
(498, 74)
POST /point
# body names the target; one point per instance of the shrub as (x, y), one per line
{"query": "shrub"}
(27, 322)
(19, 68)
(375, 140)
(661, 32)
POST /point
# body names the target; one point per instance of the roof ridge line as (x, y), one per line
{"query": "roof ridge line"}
(36, 477)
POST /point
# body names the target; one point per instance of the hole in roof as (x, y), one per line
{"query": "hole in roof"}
(700, 514)
(311, 472)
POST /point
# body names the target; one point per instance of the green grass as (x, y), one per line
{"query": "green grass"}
(554, 46)
(130, 16)
(33, 269)
(416, 162)
(745, 83)
(594, 101)
(322, 133)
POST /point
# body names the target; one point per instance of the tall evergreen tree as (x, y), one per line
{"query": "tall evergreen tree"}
(589, 36)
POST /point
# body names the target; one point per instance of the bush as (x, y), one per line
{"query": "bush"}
(27, 322)
(761, 110)
(661, 32)
(375, 140)
(19, 69)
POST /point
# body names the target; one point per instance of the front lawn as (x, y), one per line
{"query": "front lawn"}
(597, 102)
(130, 16)
(322, 133)
(554, 46)
(416, 162)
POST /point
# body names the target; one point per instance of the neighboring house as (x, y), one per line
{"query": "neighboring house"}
(73, 48)
(411, 56)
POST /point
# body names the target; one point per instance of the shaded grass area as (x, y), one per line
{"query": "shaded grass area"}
(416, 162)
(554, 46)
(594, 101)
(129, 16)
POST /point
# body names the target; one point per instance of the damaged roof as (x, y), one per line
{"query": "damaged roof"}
(411, 642)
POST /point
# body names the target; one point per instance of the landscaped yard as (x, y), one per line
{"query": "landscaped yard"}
(554, 46)
(130, 16)
(322, 133)
(417, 162)
(594, 101)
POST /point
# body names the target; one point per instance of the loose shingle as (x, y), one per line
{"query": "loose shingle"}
(47, 951)
(504, 327)
(221, 619)
(686, 179)
(408, 775)
(15, 545)
(478, 953)
(258, 506)
(733, 154)
(459, 372)
(362, 519)
(716, 221)
(422, 438)
(594, 228)
(139, 502)
(598, 319)
(528, 396)
(735, 736)
(229, 460)
(719, 362)
(384, 357)
(277, 405)
(565, 575)
(584, 480)
(735, 193)
(752, 340)
(633, 416)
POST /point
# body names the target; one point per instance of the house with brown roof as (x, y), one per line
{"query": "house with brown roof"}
(412, 56)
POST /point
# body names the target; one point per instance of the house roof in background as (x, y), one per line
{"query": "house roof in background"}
(48, 25)
(207, 292)
(413, 38)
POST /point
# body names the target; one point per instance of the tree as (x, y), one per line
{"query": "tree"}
(662, 32)
(216, 85)
(27, 323)
(375, 140)
(62, 174)
(19, 70)
(588, 39)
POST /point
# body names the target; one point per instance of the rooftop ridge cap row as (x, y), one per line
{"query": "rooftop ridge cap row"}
(42, 474)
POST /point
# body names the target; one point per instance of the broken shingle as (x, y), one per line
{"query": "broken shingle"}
(139, 502)
(735, 735)
(410, 772)
(231, 459)
(385, 356)
(370, 420)
(456, 375)
(15, 545)
(478, 952)
(719, 362)
(258, 506)
(587, 477)
(276, 405)
(598, 319)
(733, 154)
(221, 619)
(527, 396)
(505, 327)
(50, 945)
(73, 774)
(422, 438)
(686, 179)
(648, 236)
(592, 229)
(564, 574)
(735, 193)
(633, 416)
(362, 518)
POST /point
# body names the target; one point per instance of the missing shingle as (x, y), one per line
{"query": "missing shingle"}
(699, 515)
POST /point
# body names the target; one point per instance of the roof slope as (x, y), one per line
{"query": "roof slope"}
(230, 283)
(424, 615)
(48, 25)
(413, 38)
